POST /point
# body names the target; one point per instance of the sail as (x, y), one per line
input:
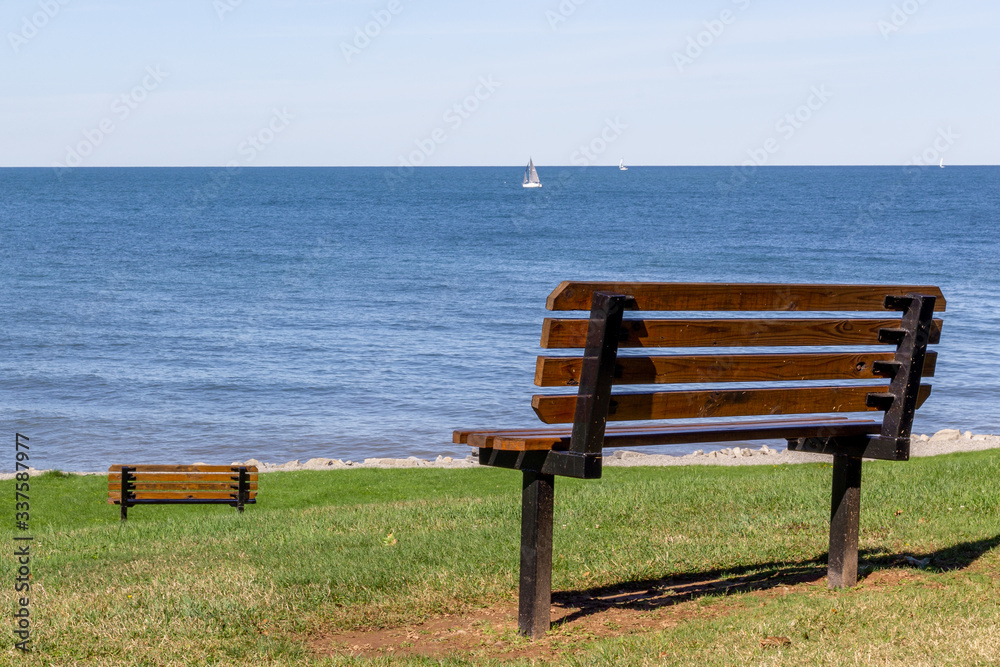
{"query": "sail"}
(531, 179)
(532, 174)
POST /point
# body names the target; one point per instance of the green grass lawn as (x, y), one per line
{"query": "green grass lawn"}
(327, 552)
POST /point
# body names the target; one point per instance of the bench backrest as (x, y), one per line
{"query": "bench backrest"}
(183, 483)
(819, 349)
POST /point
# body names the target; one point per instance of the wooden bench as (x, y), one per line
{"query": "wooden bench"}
(815, 385)
(129, 486)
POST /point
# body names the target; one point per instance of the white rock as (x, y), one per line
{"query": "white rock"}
(947, 434)
(737, 452)
(967, 435)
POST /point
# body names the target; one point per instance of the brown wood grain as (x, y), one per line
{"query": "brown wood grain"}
(574, 295)
(193, 486)
(179, 468)
(461, 436)
(185, 477)
(693, 434)
(572, 333)
(721, 403)
(565, 371)
(189, 495)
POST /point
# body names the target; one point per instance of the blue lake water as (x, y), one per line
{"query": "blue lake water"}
(178, 315)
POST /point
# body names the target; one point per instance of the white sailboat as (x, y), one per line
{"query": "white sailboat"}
(942, 163)
(621, 165)
(531, 179)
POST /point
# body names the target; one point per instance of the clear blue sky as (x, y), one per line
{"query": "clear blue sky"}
(289, 82)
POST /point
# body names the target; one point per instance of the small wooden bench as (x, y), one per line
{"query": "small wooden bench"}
(840, 373)
(129, 486)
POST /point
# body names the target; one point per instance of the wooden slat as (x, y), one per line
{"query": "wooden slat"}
(166, 495)
(565, 371)
(723, 403)
(197, 486)
(687, 434)
(185, 477)
(572, 295)
(462, 436)
(179, 468)
(572, 333)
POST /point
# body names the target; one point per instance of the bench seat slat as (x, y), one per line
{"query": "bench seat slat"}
(185, 477)
(565, 371)
(719, 403)
(572, 333)
(685, 434)
(180, 468)
(141, 485)
(577, 295)
(182, 501)
(461, 436)
(115, 496)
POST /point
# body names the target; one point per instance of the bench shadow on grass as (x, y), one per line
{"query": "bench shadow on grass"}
(650, 594)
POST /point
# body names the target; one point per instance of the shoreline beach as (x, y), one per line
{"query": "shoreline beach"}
(947, 441)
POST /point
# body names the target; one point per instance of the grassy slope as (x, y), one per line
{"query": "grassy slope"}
(346, 549)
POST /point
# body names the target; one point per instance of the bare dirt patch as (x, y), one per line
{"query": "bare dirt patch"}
(578, 618)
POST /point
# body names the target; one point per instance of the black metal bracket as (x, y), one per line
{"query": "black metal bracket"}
(563, 464)
(243, 488)
(127, 489)
(868, 447)
(899, 402)
(597, 373)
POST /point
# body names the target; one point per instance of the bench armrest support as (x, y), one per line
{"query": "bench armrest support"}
(596, 375)
(908, 366)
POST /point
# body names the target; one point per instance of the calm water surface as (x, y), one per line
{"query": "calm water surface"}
(177, 315)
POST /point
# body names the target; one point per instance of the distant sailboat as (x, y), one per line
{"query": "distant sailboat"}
(531, 179)
(621, 165)
(942, 163)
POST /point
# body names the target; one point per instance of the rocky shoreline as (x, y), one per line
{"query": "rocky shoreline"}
(942, 442)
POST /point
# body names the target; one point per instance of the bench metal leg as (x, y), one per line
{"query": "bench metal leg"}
(845, 510)
(535, 594)
(126, 489)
